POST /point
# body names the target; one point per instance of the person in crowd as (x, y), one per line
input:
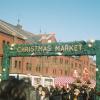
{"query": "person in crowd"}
(15, 89)
(47, 93)
(83, 93)
(92, 94)
(44, 94)
(67, 93)
(51, 91)
(12, 89)
(39, 92)
(57, 93)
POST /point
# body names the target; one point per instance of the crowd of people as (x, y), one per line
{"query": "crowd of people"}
(73, 92)
(15, 89)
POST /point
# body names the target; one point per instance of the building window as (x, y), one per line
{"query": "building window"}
(55, 59)
(71, 65)
(38, 69)
(46, 70)
(75, 64)
(15, 63)
(8, 42)
(46, 58)
(79, 65)
(87, 63)
(65, 72)
(66, 61)
(61, 72)
(61, 60)
(19, 64)
(3, 42)
(30, 67)
(53, 71)
(27, 64)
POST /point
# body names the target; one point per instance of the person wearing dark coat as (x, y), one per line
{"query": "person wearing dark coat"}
(51, 93)
(83, 94)
(92, 95)
(57, 94)
(67, 93)
(15, 89)
(39, 92)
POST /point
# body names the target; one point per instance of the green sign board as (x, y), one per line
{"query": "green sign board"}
(51, 49)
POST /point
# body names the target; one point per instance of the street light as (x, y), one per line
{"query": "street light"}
(32, 54)
(4, 70)
(97, 69)
(59, 53)
(12, 46)
(90, 43)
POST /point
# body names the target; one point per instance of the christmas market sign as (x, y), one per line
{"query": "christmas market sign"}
(50, 49)
(46, 48)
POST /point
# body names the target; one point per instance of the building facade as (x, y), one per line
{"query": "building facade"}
(41, 66)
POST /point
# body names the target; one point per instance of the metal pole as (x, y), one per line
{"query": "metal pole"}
(98, 67)
(5, 63)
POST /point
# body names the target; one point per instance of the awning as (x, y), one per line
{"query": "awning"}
(63, 80)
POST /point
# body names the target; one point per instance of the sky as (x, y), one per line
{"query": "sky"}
(70, 20)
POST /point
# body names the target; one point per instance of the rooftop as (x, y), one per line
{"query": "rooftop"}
(18, 31)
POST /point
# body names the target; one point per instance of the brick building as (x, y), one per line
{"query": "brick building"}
(40, 66)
